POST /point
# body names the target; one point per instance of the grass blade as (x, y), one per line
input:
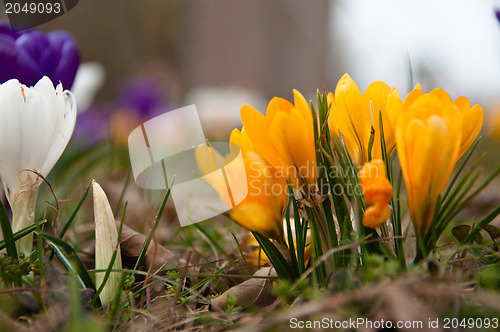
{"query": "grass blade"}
(145, 245)
(469, 198)
(8, 237)
(480, 225)
(281, 266)
(290, 237)
(466, 160)
(213, 241)
(39, 250)
(23, 232)
(122, 194)
(75, 211)
(395, 214)
(68, 257)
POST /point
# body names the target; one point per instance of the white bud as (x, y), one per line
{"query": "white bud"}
(106, 241)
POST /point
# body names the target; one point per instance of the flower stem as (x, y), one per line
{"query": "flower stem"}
(23, 214)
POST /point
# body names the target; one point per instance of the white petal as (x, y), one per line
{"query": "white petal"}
(63, 132)
(38, 121)
(11, 103)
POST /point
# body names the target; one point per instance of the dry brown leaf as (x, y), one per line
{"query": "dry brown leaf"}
(395, 301)
(56, 297)
(131, 244)
(8, 324)
(254, 291)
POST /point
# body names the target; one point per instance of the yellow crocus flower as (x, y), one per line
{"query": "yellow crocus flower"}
(353, 114)
(472, 117)
(262, 208)
(429, 138)
(284, 137)
(377, 191)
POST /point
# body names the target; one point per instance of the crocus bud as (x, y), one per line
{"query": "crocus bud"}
(106, 242)
(30, 55)
(377, 193)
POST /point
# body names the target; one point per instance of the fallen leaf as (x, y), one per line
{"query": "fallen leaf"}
(131, 244)
(254, 291)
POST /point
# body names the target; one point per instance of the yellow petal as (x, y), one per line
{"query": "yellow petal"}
(332, 124)
(208, 159)
(473, 119)
(276, 105)
(442, 95)
(377, 93)
(259, 218)
(377, 192)
(235, 138)
(267, 185)
(394, 110)
(290, 138)
(376, 215)
(352, 116)
(377, 96)
(377, 188)
(302, 107)
(412, 96)
(256, 128)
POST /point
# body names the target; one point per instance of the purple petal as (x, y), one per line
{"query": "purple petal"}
(5, 29)
(92, 125)
(141, 95)
(497, 13)
(34, 60)
(8, 58)
(34, 43)
(66, 52)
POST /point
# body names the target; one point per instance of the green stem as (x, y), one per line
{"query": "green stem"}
(23, 214)
(325, 238)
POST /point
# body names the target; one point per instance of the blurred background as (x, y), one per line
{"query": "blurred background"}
(221, 54)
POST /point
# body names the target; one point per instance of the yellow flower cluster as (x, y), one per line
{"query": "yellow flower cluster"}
(429, 130)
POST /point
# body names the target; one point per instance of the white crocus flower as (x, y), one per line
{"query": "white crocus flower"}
(35, 126)
(106, 241)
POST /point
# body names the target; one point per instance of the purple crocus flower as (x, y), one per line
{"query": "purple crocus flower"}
(497, 13)
(142, 96)
(92, 126)
(30, 55)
